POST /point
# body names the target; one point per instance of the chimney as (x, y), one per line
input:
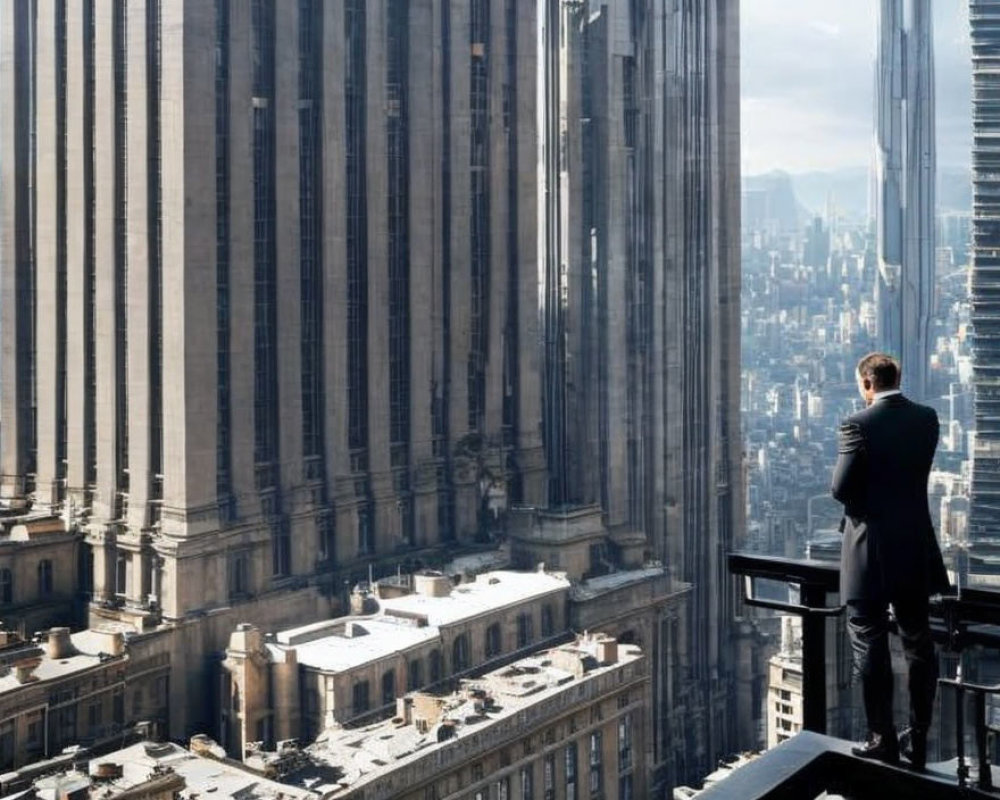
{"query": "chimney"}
(404, 710)
(59, 644)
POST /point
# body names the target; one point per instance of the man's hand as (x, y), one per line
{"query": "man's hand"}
(848, 474)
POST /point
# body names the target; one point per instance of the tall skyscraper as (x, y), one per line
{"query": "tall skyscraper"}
(906, 164)
(269, 290)
(641, 322)
(984, 507)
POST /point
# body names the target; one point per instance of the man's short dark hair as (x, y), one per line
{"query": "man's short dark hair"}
(881, 369)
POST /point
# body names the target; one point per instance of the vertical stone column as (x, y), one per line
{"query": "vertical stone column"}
(76, 248)
(14, 75)
(47, 234)
(424, 112)
(531, 456)
(335, 343)
(496, 303)
(100, 534)
(386, 514)
(189, 284)
(465, 489)
(288, 274)
(618, 221)
(241, 263)
(137, 297)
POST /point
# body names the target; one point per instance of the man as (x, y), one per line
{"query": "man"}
(889, 553)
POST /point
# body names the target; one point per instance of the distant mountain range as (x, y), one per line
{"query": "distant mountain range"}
(806, 194)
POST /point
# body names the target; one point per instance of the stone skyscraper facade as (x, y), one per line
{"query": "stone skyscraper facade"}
(906, 166)
(269, 290)
(641, 325)
(984, 506)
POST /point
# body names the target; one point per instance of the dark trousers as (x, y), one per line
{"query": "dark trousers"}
(868, 625)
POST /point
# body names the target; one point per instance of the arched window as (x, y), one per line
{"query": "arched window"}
(6, 586)
(388, 687)
(460, 654)
(525, 630)
(414, 675)
(494, 641)
(44, 578)
(548, 620)
(435, 667)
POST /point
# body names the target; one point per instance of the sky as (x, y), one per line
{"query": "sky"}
(807, 83)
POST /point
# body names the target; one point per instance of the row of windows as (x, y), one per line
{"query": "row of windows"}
(479, 26)
(460, 659)
(310, 249)
(44, 577)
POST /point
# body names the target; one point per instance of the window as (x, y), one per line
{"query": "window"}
(360, 697)
(525, 630)
(414, 675)
(548, 621)
(527, 783)
(356, 238)
(366, 541)
(435, 667)
(493, 641)
(118, 708)
(94, 718)
(388, 687)
(6, 586)
(460, 654)
(549, 777)
(503, 789)
(121, 574)
(397, 176)
(479, 229)
(238, 569)
(33, 742)
(571, 771)
(625, 743)
(281, 549)
(7, 744)
(44, 578)
(595, 762)
(264, 253)
(625, 787)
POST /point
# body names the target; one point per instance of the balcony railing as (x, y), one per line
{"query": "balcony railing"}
(810, 763)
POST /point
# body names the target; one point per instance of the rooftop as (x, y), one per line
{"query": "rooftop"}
(411, 619)
(38, 663)
(147, 763)
(341, 760)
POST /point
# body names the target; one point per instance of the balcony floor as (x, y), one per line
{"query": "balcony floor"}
(810, 766)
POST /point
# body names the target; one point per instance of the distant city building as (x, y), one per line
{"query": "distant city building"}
(984, 506)
(906, 172)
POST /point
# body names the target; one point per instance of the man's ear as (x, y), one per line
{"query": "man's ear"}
(867, 384)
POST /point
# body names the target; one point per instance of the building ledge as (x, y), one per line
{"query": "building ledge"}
(809, 764)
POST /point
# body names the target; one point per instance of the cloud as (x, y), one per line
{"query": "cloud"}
(808, 81)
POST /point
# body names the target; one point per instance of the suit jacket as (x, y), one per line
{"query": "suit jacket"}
(889, 549)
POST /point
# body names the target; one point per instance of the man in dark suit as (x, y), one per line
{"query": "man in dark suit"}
(889, 553)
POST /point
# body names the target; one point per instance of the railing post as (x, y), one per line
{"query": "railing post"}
(813, 660)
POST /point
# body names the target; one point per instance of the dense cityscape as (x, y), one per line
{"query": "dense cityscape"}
(393, 394)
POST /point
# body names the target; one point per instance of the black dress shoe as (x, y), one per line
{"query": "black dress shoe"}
(879, 748)
(913, 745)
